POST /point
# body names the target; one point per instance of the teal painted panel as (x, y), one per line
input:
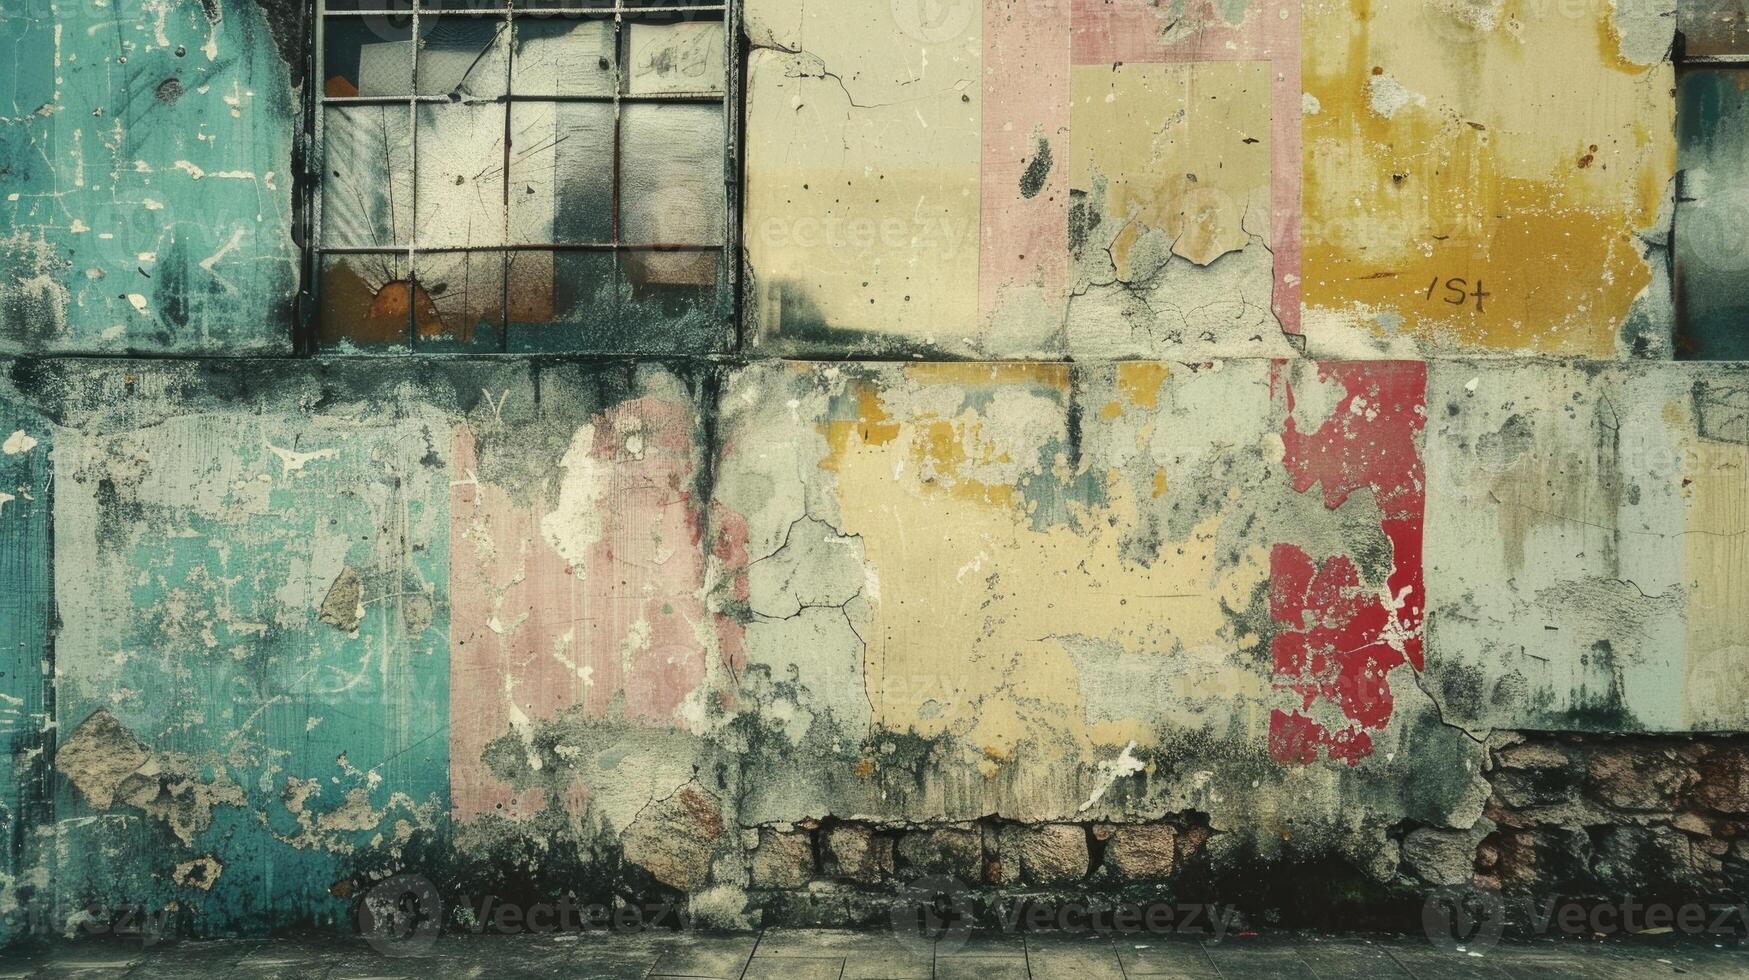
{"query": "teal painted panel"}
(261, 603)
(147, 192)
(26, 612)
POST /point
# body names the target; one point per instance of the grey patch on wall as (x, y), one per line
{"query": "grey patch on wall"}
(1722, 411)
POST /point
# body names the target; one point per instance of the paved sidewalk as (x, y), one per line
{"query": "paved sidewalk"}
(794, 954)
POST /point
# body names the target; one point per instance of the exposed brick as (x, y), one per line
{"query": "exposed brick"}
(1542, 861)
(1052, 854)
(952, 851)
(1191, 841)
(1535, 787)
(783, 859)
(860, 853)
(1631, 777)
(1636, 860)
(1439, 856)
(1693, 823)
(1144, 851)
(1532, 755)
(674, 839)
(1724, 780)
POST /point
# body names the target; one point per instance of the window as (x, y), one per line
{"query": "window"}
(523, 176)
(1712, 215)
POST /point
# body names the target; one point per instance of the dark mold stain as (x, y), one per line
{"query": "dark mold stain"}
(1038, 170)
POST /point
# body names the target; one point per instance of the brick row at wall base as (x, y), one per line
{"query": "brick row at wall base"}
(1599, 819)
(975, 854)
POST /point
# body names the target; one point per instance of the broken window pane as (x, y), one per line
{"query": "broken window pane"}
(560, 301)
(675, 57)
(564, 57)
(466, 308)
(367, 301)
(463, 57)
(671, 174)
(561, 173)
(367, 181)
(1711, 28)
(367, 56)
(1712, 213)
(460, 176)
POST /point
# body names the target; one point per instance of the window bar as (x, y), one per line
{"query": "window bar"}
(503, 257)
(621, 69)
(412, 284)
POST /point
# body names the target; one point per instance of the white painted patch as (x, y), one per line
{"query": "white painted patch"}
(5, 498)
(1309, 104)
(294, 461)
(18, 442)
(1125, 764)
(196, 173)
(575, 524)
(137, 301)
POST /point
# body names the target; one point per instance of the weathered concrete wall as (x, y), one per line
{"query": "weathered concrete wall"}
(1235, 443)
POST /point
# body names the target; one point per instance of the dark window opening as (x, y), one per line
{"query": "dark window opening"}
(1712, 209)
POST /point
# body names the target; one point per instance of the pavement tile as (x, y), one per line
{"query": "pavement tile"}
(981, 968)
(1079, 958)
(1274, 961)
(1425, 961)
(889, 966)
(1165, 958)
(1349, 960)
(981, 942)
(722, 956)
(794, 968)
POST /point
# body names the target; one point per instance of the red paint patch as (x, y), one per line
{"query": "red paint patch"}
(1338, 637)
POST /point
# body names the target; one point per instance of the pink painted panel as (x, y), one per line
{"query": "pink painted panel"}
(622, 634)
(1025, 233)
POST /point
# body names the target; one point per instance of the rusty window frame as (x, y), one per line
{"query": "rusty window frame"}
(312, 168)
